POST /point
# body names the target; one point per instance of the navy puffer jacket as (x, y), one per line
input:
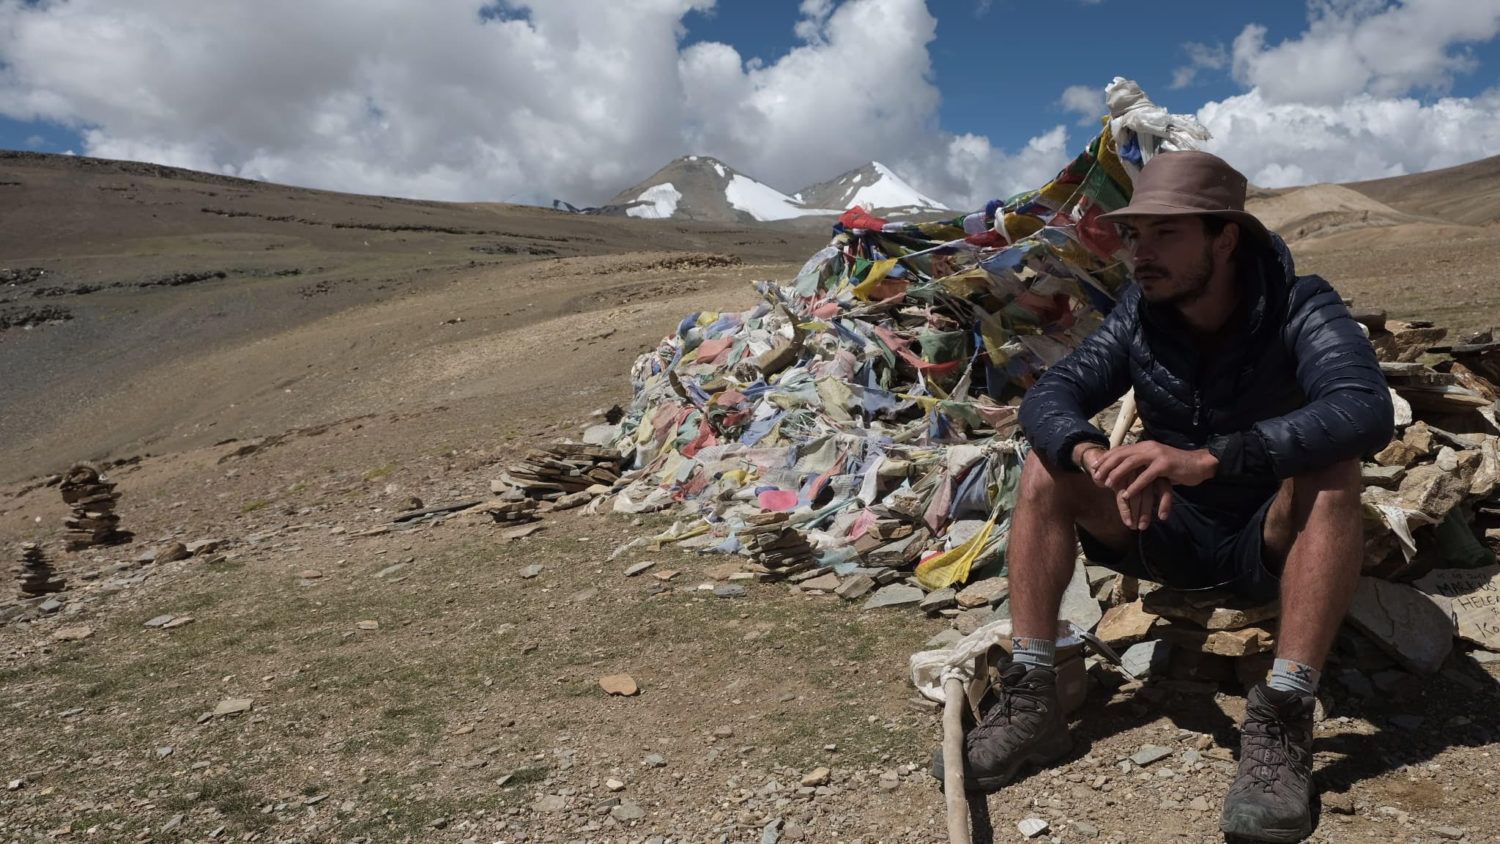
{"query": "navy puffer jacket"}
(1297, 389)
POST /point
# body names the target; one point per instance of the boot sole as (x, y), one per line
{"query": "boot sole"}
(1266, 836)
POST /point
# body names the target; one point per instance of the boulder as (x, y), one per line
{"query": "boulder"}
(1406, 624)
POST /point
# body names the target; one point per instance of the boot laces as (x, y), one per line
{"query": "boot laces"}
(1270, 747)
(1010, 702)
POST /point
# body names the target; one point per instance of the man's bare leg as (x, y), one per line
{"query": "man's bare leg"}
(1026, 725)
(1043, 543)
(1315, 526)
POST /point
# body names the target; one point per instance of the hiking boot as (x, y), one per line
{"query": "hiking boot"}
(1023, 726)
(1271, 798)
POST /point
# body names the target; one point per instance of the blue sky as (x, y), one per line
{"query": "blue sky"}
(526, 100)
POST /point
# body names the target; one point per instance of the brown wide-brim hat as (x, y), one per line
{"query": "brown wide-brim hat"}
(1190, 182)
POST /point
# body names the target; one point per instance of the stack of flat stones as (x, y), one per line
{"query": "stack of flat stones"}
(778, 551)
(513, 512)
(92, 497)
(563, 469)
(34, 574)
(1209, 635)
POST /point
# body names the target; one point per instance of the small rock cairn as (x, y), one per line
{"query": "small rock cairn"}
(92, 497)
(35, 574)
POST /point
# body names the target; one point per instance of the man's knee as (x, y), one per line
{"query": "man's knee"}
(1335, 486)
(1039, 480)
(1332, 491)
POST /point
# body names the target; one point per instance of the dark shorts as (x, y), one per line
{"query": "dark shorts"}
(1196, 548)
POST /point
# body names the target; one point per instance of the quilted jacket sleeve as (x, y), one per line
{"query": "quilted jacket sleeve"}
(1348, 411)
(1056, 410)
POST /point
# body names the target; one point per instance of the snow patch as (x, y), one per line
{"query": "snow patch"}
(888, 191)
(764, 202)
(659, 202)
(719, 168)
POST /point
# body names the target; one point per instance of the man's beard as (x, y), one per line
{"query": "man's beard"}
(1194, 281)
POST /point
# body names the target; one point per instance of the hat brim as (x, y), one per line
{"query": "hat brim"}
(1245, 219)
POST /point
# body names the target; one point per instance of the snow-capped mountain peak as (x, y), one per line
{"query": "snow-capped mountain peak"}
(699, 187)
(871, 187)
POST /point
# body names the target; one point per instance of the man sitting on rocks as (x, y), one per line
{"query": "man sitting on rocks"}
(1258, 394)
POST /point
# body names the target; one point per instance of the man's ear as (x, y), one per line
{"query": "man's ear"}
(1228, 240)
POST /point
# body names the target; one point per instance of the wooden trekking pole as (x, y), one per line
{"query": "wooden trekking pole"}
(1126, 588)
(955, 697)
(953, 761)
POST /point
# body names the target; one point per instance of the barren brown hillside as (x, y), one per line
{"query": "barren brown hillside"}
(1468, 194)
(278, 372)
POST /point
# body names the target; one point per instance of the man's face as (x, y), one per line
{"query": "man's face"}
(1172, 258)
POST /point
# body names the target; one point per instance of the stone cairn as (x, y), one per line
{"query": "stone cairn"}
(35, 574)
(92, 497)
(561, 469)
(559, 476)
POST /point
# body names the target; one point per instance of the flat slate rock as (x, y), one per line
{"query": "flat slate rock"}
(1149, 754)
(233, 706)
(523, 531)
(857, 586)
(1078, 604)
(987, 592)
(940, 599)
(1032, 827)
(1125, 623)
(636, 569)
(823, 582)
(1405, 623)
(895, 595)
(1146, 659)
(160, 621)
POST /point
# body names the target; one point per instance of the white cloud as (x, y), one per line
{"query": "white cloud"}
(522, 100)
(1338, 102)
(1365, 137)
(1200, 57)
(967, 170)
(1367, 46)
(1086, 101)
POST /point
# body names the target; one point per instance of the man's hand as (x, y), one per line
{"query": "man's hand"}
(1132, 468)
(1135, 512)
(1142, 476)
(1086, 456)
